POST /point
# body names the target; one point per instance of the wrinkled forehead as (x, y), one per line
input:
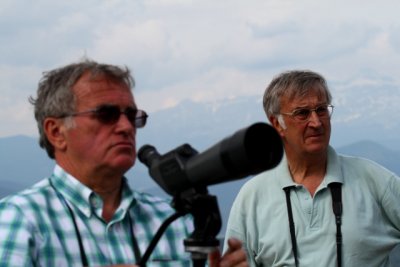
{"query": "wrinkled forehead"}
(306, 90)
(92, 80)
(101, 88)
(96, 76)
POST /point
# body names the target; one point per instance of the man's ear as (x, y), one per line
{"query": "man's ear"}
(278, 127)
(54, 130)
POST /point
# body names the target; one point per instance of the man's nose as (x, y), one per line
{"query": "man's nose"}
(314, 119)
(125, 124)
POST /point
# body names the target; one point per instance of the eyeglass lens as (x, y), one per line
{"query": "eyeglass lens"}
(110, 114)
(304, 113)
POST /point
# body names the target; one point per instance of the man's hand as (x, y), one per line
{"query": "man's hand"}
(235, 256)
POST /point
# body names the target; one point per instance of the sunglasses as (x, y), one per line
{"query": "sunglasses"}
(110, 114)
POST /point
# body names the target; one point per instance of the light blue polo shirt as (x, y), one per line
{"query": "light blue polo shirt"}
(370, 220)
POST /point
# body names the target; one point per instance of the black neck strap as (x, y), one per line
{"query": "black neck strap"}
(291, 225)
(135, 245)
(336, 192)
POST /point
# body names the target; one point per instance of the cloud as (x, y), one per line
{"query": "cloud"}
(199, 50)
(212, 86)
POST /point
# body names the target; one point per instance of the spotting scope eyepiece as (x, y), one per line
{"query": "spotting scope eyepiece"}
(247, 152)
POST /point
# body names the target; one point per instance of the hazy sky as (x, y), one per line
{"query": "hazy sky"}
(205, 50)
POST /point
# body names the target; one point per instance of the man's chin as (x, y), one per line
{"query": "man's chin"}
(123, 164)
(317, 148)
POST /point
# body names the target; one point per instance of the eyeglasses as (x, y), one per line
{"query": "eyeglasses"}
(110, 114)
(304, 114)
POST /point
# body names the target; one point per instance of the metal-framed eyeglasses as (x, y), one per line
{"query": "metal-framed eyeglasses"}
(304, 114)
(110, 114)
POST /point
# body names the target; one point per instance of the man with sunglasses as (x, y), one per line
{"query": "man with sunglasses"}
(317, 208)
(85, 213)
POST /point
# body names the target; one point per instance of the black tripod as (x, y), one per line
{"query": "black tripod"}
(207, 224)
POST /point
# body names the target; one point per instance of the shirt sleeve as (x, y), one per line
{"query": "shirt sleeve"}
(391, 200)
(236, 226)
(16, 241)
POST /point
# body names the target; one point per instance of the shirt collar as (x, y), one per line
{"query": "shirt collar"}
(283, 171)
(333, 171)
(85, 199)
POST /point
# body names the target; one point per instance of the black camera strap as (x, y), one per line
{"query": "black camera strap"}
(336, 192)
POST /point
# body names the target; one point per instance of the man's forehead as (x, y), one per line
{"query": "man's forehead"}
(91, 94)
(312, 97)
(297, 93)
(88, 84)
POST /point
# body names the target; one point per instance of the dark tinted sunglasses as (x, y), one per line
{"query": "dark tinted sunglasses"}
(110, 114)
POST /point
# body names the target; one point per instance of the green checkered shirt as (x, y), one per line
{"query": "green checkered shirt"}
(36, 228)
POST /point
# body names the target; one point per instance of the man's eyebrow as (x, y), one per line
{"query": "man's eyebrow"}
(307, 106)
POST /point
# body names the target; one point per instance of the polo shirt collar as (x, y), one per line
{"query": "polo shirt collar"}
(333, 171)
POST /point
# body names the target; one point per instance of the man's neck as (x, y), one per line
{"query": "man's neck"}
(111, 202)
(107, 184)
(110, 190)
(308, 170)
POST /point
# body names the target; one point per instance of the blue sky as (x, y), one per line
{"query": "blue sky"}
(203, 50)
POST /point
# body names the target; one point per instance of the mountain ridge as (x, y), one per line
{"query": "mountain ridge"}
(24, 163)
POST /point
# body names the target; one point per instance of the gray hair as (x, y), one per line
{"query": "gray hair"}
(295, 83)
(55, 96)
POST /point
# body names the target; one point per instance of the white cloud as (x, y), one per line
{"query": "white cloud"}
(203, 50)
(215, 85)
(347, 119)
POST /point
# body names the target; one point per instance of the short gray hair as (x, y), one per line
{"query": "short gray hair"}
(55, 96)
(294, 83)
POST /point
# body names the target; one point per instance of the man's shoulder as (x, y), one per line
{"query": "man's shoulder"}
(152, 202)
(360, 164)
(150, 198)
(366, 174)
(263, 187)
(35, 193)
(151, 206)
(263, 180)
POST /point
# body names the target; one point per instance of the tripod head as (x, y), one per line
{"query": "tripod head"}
(203, 207)
(207, 222)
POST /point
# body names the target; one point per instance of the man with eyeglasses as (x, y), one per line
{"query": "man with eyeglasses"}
(316, 208)
(85, 213)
